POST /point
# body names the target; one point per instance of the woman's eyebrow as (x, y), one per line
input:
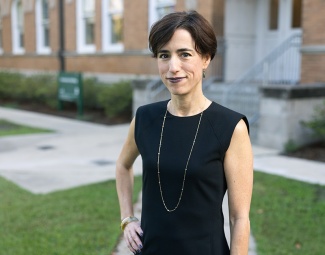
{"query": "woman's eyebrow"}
(179, 50)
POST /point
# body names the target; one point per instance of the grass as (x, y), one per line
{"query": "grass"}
(9, 128)
(287, 216)
(83, 220)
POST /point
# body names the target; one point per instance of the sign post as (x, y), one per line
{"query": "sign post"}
(70, 89)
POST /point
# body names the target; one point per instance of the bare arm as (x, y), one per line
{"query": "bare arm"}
(239, 174)
(124, 186)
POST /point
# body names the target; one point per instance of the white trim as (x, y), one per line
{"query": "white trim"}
(16, 49)
(82, 47)
(107, 45)
(40, 47)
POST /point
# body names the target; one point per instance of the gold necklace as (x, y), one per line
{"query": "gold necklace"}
(188, 159)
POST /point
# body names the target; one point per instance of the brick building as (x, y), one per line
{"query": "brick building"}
(110, 36)
(100, 36)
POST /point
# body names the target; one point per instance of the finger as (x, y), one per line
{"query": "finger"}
(133, 231)
(139, 230)
(129, 236)
(136, 242)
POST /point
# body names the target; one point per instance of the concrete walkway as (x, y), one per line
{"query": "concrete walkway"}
(80, 153)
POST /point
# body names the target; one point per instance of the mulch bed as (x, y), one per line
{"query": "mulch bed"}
(314, 151)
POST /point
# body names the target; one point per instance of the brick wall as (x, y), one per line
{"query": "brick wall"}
(132, 61)
(6, 34)
(29, 62)
(54, 27)
(135, 25)
(29, 32)
(313, 49)
(70, 26)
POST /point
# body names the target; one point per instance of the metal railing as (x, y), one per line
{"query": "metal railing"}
(280, 66)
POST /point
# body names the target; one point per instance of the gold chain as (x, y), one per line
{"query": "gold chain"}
(188, 159)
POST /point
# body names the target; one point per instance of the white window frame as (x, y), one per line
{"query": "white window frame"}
(1, 31)
(107, 45)
(16, 48)
(82, 47)
(41, 48)
(153, 9)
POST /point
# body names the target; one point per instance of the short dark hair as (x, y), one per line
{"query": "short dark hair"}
(199, 28)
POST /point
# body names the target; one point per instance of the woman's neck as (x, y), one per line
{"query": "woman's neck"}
(184, 107)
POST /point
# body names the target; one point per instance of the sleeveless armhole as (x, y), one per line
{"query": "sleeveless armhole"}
(224, 122)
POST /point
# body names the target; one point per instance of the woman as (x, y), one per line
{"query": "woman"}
(192, 149)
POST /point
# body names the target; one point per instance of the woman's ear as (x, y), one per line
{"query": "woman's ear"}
(206, 61)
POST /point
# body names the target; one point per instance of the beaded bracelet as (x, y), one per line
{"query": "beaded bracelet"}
(127, 220)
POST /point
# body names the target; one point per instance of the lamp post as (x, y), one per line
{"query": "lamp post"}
(61, 36)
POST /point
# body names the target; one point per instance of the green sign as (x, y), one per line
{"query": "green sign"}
(70, 89)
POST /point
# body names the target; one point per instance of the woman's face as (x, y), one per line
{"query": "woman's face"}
(180, 65)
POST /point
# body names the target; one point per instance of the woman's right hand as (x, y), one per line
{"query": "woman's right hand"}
(132, 233)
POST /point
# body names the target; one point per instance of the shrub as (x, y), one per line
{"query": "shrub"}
(38, 89)
(113, 99)
(116, 99)
(317, 123)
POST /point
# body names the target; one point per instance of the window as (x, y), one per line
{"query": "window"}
(1, 30)
(17, 27)
(159, 8)
(296, 13)
(274, 14)
(42, 26)
(164, 7)
(86, 26)
(112, 28)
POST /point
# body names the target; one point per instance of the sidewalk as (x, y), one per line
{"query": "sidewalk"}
(80, 153)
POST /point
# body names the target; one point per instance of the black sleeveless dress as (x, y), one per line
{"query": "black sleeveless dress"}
(197, 225)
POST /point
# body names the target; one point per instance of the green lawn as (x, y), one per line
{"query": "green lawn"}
(287, 216)
(83, 220)
(9, 128)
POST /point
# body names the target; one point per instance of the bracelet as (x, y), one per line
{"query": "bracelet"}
(127, 220)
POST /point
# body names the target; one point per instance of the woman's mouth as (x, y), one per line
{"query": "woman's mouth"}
(175, 79)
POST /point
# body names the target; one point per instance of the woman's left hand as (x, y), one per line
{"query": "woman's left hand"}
(132, 232)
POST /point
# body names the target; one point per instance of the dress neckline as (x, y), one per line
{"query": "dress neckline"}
(185, 117)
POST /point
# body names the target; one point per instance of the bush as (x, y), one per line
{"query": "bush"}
(116, 99)
(38, 89)
(112, 99)
(317, 124)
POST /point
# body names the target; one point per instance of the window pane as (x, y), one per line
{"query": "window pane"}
(45, 9)
(164, 7)
(46, 33)
(45, 24)
(89, 26)
(274, 14)
(296, 13)
(20, 17)
(89, 6)
(116, 5)
(166, 2)
(21, 39)
(117, 28)
(162, 11)
(20, 24)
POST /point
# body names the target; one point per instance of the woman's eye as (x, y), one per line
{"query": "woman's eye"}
(185, 55)
(163, 56)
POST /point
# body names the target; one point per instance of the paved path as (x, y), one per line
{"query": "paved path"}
(80, 153)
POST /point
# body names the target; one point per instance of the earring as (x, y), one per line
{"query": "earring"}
(203, 74)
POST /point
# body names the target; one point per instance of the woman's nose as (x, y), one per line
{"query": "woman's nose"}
(174, 64)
